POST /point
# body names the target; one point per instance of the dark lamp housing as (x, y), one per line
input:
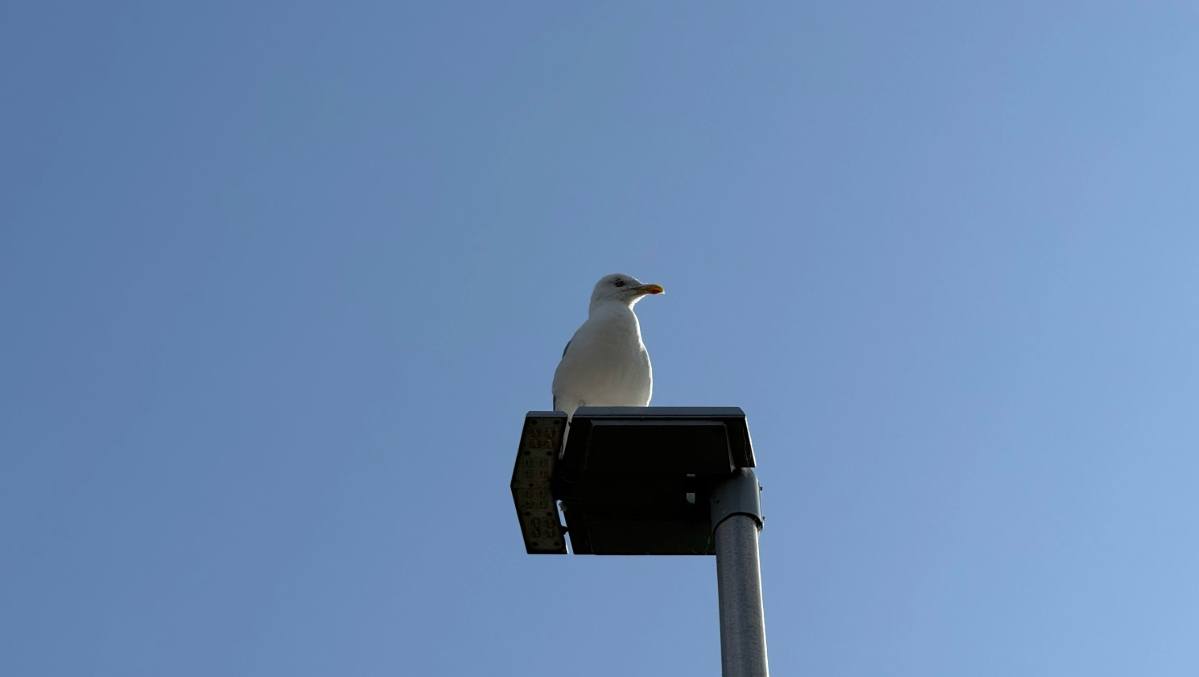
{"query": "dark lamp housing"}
(631, 480)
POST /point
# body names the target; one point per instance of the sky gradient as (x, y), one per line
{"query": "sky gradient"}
(280, 280)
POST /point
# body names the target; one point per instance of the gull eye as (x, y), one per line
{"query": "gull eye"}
(619, 283)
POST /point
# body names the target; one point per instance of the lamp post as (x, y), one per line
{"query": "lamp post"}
(652, 481)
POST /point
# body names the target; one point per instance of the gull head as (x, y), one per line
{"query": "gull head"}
(623, 289)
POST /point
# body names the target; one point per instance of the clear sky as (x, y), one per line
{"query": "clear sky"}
(280, 280)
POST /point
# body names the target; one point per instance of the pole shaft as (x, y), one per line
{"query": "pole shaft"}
(739, 581)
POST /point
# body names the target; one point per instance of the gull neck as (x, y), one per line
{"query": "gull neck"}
(609, 306)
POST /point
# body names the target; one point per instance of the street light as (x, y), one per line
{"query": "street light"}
(652, 481)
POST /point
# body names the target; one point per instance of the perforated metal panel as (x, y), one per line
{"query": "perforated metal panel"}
(532, 482)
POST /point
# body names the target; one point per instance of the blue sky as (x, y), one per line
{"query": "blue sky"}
(279, 282)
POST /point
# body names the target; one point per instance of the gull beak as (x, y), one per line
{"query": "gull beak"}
(649, 289)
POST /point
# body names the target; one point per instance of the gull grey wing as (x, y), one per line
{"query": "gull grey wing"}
(554, 398)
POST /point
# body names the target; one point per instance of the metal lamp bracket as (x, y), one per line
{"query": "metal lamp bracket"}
(740, 494)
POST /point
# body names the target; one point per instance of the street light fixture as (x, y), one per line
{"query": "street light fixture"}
(652, 481)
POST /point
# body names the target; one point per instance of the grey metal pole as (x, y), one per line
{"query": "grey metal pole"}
(736, 520)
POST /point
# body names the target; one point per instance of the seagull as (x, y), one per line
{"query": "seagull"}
(605, 363)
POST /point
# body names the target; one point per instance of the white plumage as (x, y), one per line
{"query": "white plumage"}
(605, 364)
